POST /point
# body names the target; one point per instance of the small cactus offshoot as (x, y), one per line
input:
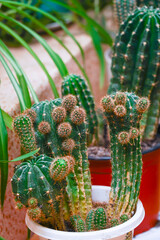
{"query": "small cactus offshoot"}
(125, 152)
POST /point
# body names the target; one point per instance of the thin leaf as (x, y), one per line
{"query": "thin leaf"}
(1, 238)
(102, 32)
(20, 78)
(97, 45)
(54, 56)
(19, 72)
(14, 83)
(7, 119)
(22, 157)
(49, 16)
(3, 156)
(55, 37)
(29, 49)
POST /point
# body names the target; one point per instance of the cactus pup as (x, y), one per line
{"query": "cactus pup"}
(136, 63)
(123, 112)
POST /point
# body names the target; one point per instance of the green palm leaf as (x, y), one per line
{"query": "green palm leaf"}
(3, 156)
(21, 76)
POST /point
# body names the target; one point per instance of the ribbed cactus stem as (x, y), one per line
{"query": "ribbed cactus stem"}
(125, 152)
(77, 86)
(122, 8)
(23, 127)
(135, 63)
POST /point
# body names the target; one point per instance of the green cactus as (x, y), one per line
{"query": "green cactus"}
(122, 8)
(154, 3)
(35, 189)
(124, 112)
(76, 85)
(135, 64)
(58, 128)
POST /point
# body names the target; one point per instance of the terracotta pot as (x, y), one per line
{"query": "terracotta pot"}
(150, 185)
(100, 194)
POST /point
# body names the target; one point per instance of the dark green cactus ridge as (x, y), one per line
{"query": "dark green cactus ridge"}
(125, 152)
(122, 8)
(154, 3)
(135, 63)
(76, 85)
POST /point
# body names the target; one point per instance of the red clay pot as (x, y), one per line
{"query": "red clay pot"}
(150, 185)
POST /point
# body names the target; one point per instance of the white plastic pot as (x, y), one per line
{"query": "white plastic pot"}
(100, 194)
(107, 55)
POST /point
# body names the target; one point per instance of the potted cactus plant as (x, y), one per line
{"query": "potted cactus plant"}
(55, 184)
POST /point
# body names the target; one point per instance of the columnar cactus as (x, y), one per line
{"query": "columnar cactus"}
(58, 128)
(124, 112)
(155, 3)
(136, 62)
(76, 85)
(122, 8)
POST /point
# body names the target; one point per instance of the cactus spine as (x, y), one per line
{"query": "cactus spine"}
(76, 85)
(135, 64)
(125, 152)
(122, 8)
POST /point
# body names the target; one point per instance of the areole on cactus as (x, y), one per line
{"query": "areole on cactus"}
(154, 3)
(55, 185)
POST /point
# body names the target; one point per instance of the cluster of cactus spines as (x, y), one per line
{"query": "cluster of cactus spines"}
(76, 85)
(135, 63)
(154, 3)
(125, 153)
(122, 8)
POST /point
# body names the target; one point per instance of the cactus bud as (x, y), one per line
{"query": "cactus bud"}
(59, 168)
(44, 127)
(120, 98)
(34, 213)
(78, 116)
(133, 133)
(107, 104)
(124, 218)
(68, 144)
(32, 202)
(142, 104)
(100, 219)
(69, 102)
(120, 110)
(64, 129)
(123, 137)
(59, 114)
(114, 222)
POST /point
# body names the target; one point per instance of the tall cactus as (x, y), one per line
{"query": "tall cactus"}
(76, 85)
(136, 62)
(154, 3)
(124, 111)
(122, 8)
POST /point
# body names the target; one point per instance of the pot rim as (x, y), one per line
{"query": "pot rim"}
(109, 233)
